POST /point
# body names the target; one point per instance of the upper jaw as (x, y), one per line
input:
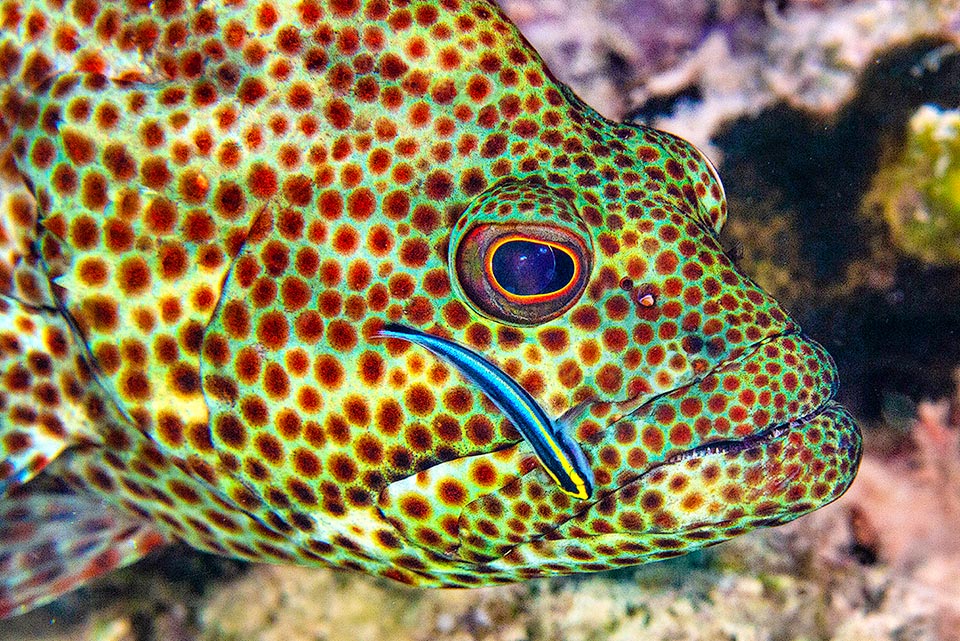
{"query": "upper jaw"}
(776, 385)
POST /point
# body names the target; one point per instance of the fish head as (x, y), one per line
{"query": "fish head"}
(701, 409)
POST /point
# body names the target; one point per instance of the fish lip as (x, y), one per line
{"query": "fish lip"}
(749, 442)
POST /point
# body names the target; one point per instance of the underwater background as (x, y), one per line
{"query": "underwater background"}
(835, 127)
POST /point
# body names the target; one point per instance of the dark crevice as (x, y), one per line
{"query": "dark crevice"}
(785, 162)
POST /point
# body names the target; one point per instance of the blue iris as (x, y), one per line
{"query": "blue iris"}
(526, 268)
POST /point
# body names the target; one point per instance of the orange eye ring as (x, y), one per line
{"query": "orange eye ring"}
(531, 299)
(518, 287)
(520, 254)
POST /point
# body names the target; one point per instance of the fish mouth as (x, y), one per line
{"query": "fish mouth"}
(732, 446)
(776, 387)
(725, 487)
(780, 447)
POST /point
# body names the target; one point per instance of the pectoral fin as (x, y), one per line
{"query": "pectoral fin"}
(52, 543)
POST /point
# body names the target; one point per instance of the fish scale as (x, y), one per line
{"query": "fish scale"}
(221, 206)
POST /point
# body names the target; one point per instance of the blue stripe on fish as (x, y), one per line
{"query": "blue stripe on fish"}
(559, 454)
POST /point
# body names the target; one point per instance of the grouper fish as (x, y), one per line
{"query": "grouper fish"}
(360, 284)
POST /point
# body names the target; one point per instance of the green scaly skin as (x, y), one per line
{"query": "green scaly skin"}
(211, 211)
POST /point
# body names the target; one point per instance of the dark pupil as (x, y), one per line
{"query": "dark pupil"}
(527, 268)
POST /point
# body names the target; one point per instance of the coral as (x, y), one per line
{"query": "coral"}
(97, 629)
(809, 56)
(816, 56)
(919, 193)
(710, 66)
(598, 45)
(913, 500)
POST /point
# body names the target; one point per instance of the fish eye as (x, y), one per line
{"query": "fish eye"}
(520, 254)
(525, 268)
(525, 275)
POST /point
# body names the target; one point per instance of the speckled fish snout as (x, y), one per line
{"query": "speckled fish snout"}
(758, 441)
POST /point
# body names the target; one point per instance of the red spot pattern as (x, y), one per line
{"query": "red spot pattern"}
(228, 246)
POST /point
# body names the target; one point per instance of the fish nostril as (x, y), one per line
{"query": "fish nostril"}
(645, 295)
(646, 299)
